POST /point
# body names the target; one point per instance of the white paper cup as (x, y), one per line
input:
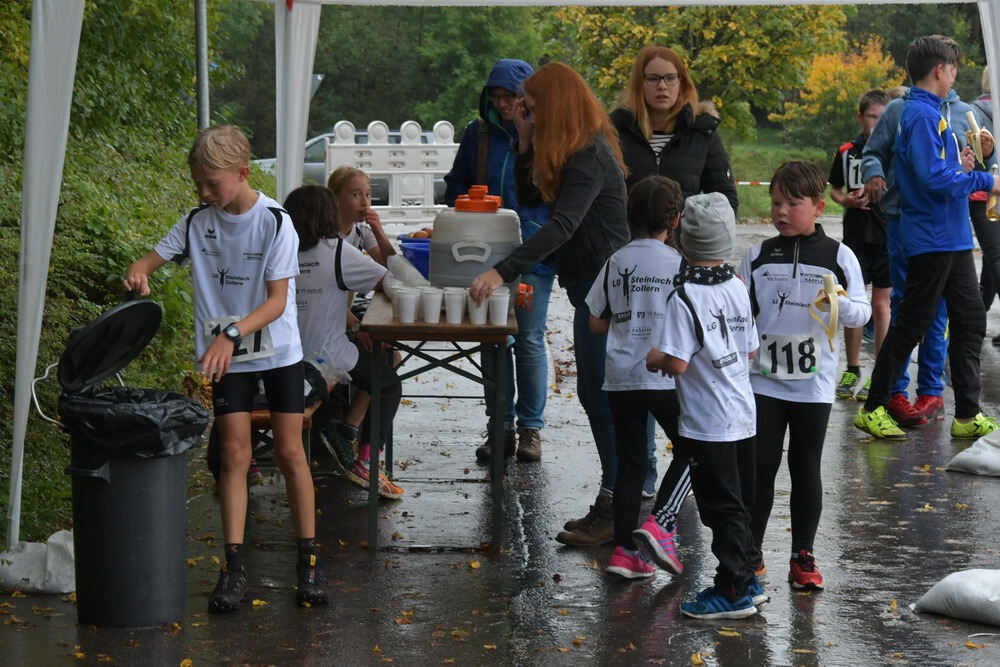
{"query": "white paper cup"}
(407, 298)
(499, 301)
(454, 304)
(390, 286)
(478, 312)
(430, 301)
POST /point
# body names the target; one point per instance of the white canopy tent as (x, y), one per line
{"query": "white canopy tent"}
(55, 38)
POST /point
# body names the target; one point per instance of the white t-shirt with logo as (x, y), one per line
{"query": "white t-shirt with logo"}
(361, 237)
(632, 290)
(322, 303)
(232, 259)
(716, 400)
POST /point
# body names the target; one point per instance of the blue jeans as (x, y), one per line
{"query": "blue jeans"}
(934, 347)
(532, 365)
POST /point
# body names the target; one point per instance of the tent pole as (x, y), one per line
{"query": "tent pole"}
(201, 44)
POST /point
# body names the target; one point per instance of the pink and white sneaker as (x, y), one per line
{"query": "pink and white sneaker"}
(629, 565)
(658, 544)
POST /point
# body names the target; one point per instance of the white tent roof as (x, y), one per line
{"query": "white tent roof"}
(55, 38)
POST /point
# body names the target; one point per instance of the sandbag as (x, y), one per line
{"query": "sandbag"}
(971, 595)
(982, 458)
(32, 567)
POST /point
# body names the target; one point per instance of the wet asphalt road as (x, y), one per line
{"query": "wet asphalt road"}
(894, 523)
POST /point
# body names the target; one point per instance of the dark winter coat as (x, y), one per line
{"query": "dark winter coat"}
(694, 156)
(588, 217)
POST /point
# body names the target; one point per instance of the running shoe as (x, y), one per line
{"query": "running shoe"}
(756, 592)
(629, 565)
(878, 424)
(254, 477)
(658, 544)
(977, 428)
(358, 473)
(230, 591)
(868, 334)
(845, 388)
(710, 604)
(928, 407)
(312, 584)
(343, 450)
(803, 573)
(862, 394)
(903, 413)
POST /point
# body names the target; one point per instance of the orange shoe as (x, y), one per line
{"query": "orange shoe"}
(803, 573)
(358, 473)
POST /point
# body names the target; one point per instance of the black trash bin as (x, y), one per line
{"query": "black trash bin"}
(129, 475)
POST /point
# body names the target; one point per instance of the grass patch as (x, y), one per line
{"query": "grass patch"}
(757, 160)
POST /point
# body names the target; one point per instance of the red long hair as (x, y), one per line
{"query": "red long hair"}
(633, 98)
(568, 117)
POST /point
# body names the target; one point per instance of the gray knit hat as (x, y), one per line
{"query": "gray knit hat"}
(708, 227)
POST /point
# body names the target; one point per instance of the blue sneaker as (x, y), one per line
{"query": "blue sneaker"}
(710, 604)
(756, 592)
(649, 486)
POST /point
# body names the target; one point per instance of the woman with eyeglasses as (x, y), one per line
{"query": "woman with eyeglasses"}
(665, 130)
(568, 156)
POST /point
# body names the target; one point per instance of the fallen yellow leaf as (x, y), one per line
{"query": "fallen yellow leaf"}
(377, 649)
(409, 612)
(186, 662)
(727, 633)
(892, 604)
(474, 564)
(564, 612)
(972, 644)
(696, 659)
(341, 542)
(216, 561)
(459, 634)
(259, 603)
(489, 647)
(448, 661)
(578, 640)
(562, 649)
(18, 594)
(79, 655)
(803, 650)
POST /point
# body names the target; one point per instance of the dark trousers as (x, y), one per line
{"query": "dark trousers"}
(988, 235)
(806, 423)
(929, 277)
(361, 377)
(722, 478)
(629, 410)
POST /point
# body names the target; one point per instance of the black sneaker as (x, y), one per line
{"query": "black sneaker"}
(229, 592)
(312, 589)
(484, 452)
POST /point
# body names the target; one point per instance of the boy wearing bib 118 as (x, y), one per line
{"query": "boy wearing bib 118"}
(243, 251)
(794, 374)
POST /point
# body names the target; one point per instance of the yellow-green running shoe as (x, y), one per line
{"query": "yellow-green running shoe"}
(879, 424)
(862, 394)
(977, 428)
(848, 381)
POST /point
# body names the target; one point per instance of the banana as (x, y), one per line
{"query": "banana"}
(827, 301)
(974, 135)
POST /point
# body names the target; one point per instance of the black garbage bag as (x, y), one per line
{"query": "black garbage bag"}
(142, 422)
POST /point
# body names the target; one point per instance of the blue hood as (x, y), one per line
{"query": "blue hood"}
(508, 74)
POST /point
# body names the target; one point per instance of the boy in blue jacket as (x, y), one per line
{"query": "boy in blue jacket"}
(934, 182)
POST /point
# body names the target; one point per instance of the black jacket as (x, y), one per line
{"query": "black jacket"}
(694, 157)
(588, 217)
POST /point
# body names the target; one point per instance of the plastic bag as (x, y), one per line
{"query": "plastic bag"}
(32, 567)
(982, 458)
(971, 595)
(142, 422)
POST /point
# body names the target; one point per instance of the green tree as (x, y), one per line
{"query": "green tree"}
(740, 57)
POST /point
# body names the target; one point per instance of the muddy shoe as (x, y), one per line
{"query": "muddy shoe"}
(312, 584)
(530, 447)
(484, 451)
(603, 503)
(229, 592)
(600, 530)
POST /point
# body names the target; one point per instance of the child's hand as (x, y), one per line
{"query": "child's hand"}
(371, 217)
(987, 143)
(217, 358)
(138, 283)
(968, 159)
(857, 199)
(654, 359)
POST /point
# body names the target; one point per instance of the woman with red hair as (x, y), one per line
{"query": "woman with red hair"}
(569, 157)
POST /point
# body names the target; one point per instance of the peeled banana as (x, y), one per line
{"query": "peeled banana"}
(827, 300)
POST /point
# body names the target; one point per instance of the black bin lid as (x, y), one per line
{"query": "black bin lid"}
(106, 345)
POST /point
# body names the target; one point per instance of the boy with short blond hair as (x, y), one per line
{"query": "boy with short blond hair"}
(934, 182)
(243, 249)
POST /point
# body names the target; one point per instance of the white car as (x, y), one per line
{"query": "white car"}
(314, 167)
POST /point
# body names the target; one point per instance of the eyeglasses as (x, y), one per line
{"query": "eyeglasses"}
(671, 79)
(502, 98)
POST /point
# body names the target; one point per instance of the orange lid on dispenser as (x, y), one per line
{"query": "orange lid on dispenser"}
(477, 200)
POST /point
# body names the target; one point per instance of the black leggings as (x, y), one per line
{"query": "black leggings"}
(629, 410)
(806, 424)
(361, 377)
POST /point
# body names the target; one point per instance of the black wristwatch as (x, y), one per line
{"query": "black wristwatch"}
(232, 332)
